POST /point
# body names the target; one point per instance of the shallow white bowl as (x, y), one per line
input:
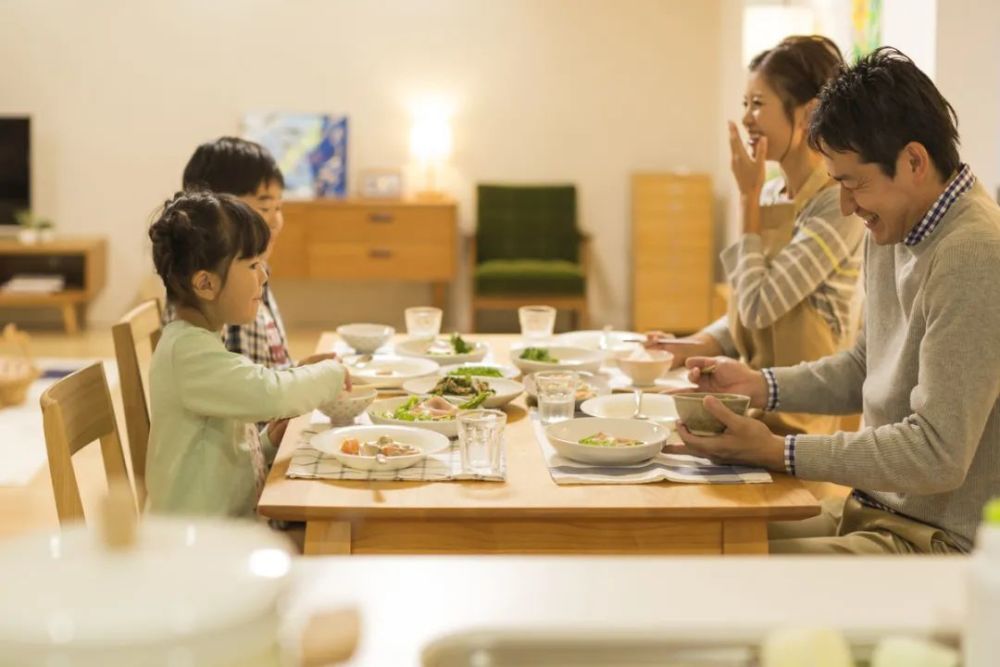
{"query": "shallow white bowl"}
(364, 337)
(429, 442)
(506, 390)
(569, 359)
(657, 407)
(349, 404)
(509, 372)
(645, 372)
(598, 383)
(565, 437)
(389, 371)
(377, 413)
(418, 348)
(591, 338)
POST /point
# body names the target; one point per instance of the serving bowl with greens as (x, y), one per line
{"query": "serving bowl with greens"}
(499, 390)
(607, 442)
(453, 349)
(480, 369)
(533, 359)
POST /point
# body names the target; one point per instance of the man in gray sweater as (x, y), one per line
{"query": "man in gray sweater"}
(926, 367)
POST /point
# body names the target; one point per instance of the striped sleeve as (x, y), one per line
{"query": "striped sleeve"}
(822, 248)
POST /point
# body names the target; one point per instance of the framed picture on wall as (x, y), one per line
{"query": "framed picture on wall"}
(310, 148)
(381, 183)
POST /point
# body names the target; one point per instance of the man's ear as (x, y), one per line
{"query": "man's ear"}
(917, 161)
(205, 285)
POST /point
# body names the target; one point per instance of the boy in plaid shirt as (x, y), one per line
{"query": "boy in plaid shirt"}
(248, 171)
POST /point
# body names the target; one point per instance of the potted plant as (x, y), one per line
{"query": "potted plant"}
(34, 229)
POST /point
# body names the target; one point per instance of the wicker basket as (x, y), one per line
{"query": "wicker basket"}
(17, 371)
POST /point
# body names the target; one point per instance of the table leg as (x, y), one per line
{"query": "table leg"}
(744, 537)
(327, 538)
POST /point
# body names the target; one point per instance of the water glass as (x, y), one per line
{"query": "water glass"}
(423, 322)
(556, 395)
(537, 322)
(480, 440)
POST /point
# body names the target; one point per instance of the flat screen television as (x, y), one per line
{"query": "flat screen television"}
(15, 167)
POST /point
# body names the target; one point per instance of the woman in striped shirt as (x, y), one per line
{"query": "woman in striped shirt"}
(795, 269)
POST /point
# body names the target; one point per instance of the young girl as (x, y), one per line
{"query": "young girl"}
(206, 456)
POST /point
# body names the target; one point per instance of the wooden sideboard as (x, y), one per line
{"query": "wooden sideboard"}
(81, 261)
(363, 239)
(672, 252)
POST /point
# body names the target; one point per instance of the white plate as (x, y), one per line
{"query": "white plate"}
(509, 372)
(418, 348)
(569, 359)
(565, 437)
(376, 413)
(658, 407)
(596, 380)
(388, 372)
(591, 339)
(506, 390)
(429, 442)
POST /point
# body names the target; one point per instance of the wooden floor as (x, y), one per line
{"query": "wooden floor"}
(31, 507)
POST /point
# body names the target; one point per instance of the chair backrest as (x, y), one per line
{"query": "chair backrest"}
(526, 222)
(76, 411)
(136, 336)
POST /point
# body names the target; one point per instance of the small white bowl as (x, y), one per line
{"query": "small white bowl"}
(349, 404)
(645, 371)
(565, 438)
(506, 390)
(329, 442)
(364, 337)
(567, 359)
(657, 407)
(377, 413)
(389, 371)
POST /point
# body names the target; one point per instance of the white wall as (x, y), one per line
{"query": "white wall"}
(544, 90)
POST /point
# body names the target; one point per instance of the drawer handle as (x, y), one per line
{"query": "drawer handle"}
(380, 217)
(380, 253)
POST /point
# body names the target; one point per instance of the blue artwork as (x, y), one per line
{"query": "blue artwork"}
(311, 150)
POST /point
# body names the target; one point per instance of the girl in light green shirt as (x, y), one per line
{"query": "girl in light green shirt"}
(206, 456)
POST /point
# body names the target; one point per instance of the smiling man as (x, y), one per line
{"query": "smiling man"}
(925, 369)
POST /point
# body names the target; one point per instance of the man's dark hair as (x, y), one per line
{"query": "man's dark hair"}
(231, 165)
(880, 104)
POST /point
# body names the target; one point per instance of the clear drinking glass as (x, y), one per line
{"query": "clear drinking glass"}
(537, 322)
(423, 322)
(480, 438)
(556, 395)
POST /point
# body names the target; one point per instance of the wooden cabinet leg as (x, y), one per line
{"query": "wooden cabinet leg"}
(438, 295)
(69, 318)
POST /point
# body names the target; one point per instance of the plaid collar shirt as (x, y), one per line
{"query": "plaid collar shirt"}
(958, 186)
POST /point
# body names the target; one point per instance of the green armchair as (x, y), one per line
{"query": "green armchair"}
(528, 249)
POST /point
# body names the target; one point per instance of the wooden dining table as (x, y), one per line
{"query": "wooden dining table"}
(528, 513)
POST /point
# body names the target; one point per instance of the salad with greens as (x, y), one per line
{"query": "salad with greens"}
(538, 354)
(454, 345)
(604, 440)
(432, 409)
(461, 385)
(481, 371)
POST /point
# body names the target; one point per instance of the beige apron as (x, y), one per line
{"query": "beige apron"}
(799, 335)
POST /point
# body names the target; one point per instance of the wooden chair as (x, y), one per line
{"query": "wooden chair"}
(135, 337)
(76, 411)
(528, 250)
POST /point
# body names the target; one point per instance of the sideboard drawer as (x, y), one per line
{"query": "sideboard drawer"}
(381, 261)
(377, 224)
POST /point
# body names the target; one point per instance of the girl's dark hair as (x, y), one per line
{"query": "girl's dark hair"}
(798, 68)
(203, 231)
(233, 165)
(880, 104)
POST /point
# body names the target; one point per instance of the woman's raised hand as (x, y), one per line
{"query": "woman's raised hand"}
(750, 171)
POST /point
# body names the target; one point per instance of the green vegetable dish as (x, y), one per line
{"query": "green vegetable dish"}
(481, 371)
(539, 354)
(461, 385)
(605, 440)
(459, 345)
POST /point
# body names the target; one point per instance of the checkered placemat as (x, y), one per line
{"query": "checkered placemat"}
(662, 468)
(310, 463)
